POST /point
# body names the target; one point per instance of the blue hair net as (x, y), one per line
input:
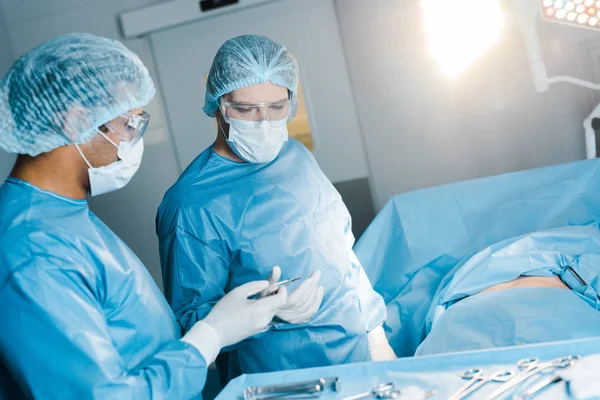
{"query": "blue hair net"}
(60, 92)
(249, 60)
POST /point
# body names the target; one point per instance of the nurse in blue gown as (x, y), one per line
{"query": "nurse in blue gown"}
(255, 199)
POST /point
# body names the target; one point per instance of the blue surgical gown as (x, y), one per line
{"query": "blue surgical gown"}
(80, 316)
(226, 223)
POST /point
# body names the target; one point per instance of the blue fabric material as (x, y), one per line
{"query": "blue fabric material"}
(249, 60)
(519, 316)
(554, 252)
(60, 92)
(419, 237)
(81, 316)
(226, 223)
(440, 373)
(512, 317)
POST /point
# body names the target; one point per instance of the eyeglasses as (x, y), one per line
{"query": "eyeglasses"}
(129, 127)
(256, 111)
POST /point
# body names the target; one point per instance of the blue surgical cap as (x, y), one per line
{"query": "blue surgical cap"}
(249, 60)
(60, 92)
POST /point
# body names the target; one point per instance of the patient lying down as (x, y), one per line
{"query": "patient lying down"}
(535, 288)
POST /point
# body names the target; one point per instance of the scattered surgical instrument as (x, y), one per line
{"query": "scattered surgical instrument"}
(535, 389)
(538, 366)
(389, 391)
(477, 380)
(381, 391)
(298, 388)
(530, 367)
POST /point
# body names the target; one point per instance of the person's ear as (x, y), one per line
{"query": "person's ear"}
(222, 126)
(73, 121)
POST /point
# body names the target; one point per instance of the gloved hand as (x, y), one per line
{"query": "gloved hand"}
(304, 302)
(235, 318)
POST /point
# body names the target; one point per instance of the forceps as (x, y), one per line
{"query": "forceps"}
(534, 390)
(530, 367)
(381, 391)
(313, 388)
(477, 380)
(534, 366)
(385, 391)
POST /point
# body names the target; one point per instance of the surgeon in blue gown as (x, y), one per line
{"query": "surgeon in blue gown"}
(81, 318)
(255, 199)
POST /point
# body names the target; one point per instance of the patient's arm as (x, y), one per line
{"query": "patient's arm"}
(379, 347)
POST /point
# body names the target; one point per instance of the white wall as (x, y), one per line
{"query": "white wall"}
(7, 57)
(129, 212)
(422, 129)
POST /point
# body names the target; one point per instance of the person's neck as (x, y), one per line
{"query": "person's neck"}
(222, 148)
(54, 173)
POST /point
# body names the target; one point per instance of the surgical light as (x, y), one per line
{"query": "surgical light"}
(576, 13)
(459, 32)
(579, 13)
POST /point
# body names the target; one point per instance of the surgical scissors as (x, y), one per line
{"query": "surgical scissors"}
(477, 380)
(530, 367)
(534, 366)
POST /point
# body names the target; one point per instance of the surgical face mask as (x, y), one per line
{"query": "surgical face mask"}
(118, 174)
(257, 142)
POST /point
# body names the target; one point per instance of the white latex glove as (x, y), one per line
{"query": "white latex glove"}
(235, 318)
(304, 302)
(379, 346)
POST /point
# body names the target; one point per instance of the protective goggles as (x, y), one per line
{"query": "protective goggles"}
(257, 111)
(129, 127)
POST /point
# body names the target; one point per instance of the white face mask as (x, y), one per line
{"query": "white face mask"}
(257, 142)
(118, 174)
